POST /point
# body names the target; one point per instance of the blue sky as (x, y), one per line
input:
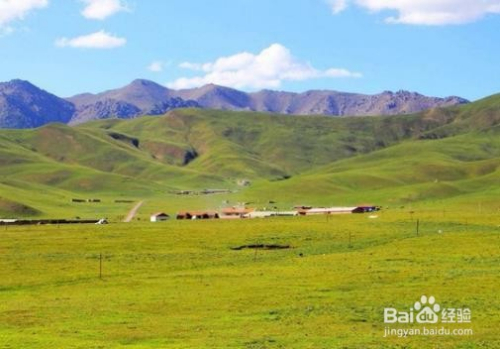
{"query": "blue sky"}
(439, 47)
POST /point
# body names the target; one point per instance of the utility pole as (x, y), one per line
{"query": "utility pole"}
(100, 266)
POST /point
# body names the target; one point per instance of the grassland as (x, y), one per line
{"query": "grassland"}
(179, 285)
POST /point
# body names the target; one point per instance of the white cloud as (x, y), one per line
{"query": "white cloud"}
(97, 40)
(102, 9)
(337, 6)
(340, 73)
(11, 10)
(156, 66)
(267, 69)
(426, 12)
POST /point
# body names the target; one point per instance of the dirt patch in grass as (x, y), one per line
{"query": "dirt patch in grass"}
(261, 247)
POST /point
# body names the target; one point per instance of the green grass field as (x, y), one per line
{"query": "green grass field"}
(179, 285)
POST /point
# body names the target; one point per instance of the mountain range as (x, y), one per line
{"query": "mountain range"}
(24, 105)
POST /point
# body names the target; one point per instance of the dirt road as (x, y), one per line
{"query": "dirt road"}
(133, 212)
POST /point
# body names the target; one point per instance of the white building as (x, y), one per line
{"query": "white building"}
(267, 214)
(159, 217)
(329, 210)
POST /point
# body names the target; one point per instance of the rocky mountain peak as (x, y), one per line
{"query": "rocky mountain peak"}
(24, 105)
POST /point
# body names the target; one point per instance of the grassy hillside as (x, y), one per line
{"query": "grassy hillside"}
(413, 171)
(265, 145)
(440, 154)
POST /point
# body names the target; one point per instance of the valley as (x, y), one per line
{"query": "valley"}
(316, 160)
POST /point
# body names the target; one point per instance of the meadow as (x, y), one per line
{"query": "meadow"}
(182, 284)
(179, 284)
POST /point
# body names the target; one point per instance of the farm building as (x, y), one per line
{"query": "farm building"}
(159, 217)
(286, 214)
(8, 221)
(260, 214)
(326, 210)
(237, 212)
(337, 210)
(197, 215)
(267, 214)
(365, 209)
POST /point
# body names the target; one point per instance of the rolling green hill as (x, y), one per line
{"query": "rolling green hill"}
(413, 171)
(441, 154)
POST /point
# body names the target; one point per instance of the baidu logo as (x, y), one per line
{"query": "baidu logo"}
(427, 311)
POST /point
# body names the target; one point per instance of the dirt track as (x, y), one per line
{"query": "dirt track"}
(131, 214)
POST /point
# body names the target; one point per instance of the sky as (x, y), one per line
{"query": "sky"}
(435, 47)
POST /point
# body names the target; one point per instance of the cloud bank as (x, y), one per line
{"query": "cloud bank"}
(267, 69)
(97, 40)
(425, 12)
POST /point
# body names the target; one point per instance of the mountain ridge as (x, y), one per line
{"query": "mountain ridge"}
(23, 105)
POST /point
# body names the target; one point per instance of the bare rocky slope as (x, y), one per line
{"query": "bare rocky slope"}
(23, 105)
